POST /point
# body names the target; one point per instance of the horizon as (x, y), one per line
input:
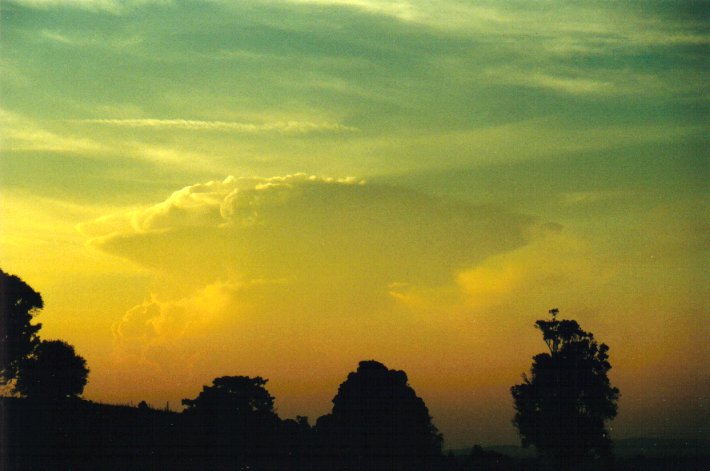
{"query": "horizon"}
(284, 188)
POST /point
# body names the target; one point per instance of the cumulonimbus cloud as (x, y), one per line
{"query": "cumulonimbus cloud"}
(295, 253)
(309, 229)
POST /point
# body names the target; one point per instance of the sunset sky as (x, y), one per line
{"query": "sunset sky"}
(286, 187)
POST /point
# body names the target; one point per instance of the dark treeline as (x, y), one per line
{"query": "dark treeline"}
(362, 433)
(377, 422)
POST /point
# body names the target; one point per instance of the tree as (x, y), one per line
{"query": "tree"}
(562, 407)
(18, 336)
(52, 372)
(233, 396)
(378, 422)
(235, 420)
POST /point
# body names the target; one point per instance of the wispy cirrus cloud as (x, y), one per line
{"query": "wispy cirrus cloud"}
(91, 40)
(571, 85)
(616, 24)
(569, 80)
(108, 6)
(402, 10)
(23, 134)
(112, 6)
(286, 127)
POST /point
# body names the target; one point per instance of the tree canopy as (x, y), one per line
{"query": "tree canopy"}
(52, 372)
(235, 422)
(19, 303)
(378, 421)
(562, 407)
(233, 396)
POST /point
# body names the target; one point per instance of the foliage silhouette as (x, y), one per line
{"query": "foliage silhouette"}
(19, 303)
(52, 372)
(378, 422)
(235, 396)
(236, 421)
(562, 407)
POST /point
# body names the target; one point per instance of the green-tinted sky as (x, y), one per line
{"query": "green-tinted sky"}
(283, 188)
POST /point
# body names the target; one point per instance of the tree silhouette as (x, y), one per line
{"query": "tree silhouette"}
(52, 372)
(18, 336)
(235, 420)
(378, 422)
(562, 407)
(234, 396)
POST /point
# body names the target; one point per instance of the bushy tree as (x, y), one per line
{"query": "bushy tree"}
(233, 396)
(562, 407)
(235, 422)
(378, 422)
(52, 372)
(19, 303)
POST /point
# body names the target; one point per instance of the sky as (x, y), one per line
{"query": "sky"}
(284, 188)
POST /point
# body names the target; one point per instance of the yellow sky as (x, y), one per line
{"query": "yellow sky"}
(285, 188)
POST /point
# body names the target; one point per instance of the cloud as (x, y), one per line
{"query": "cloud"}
(248, 271)
(285, 127)
(488, 284)
(310, 230)
(595, 22)
(401, 10)
(556, 265)
(575, 86)
(101, 41)
(163, 343)
(41, 140)
(295, 277)
(112, 6)
(158, 323)
(601, 82)
(290, 266)
(574, 198)
(21, 134)
(58, 37)
(445, 15)
(107, 6)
